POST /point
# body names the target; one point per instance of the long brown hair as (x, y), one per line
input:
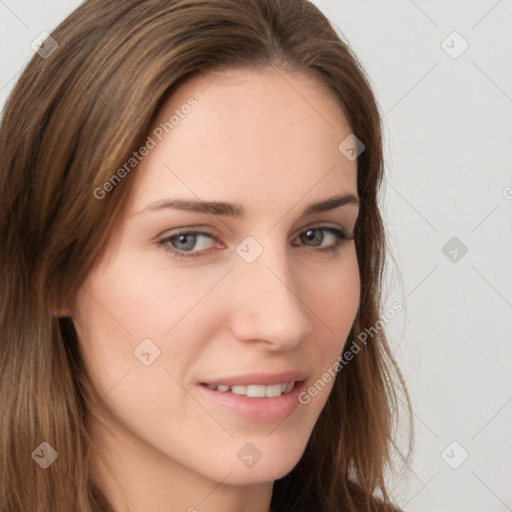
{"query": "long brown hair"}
(71, 121)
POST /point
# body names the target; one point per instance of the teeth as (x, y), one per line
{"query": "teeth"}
(239, 390)
(289, 386)
(271, 391)
(256, 390)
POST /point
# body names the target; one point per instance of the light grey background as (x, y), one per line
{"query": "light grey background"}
(448, 129)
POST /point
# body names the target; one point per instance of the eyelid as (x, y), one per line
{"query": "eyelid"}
(320, 224)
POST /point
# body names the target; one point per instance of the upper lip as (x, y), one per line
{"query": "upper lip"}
(266, 379)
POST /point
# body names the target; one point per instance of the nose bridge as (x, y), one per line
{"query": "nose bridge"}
(268, 303)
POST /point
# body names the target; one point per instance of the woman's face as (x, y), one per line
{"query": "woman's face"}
(250, 292)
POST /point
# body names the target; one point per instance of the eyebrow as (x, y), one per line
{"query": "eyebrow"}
(237, 211)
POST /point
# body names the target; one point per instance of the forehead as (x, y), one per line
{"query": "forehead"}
(251, 135)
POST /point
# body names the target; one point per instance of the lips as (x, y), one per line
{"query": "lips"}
(262, 379)
(245, 401)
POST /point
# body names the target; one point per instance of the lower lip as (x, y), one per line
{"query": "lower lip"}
(261, 410)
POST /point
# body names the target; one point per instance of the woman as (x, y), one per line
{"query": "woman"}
(192, 260)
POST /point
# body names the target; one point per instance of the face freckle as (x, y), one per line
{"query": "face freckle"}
(259, 301)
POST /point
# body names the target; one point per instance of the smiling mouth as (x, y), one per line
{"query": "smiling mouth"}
(255, 390)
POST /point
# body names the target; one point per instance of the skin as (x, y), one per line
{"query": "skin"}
(268, 141)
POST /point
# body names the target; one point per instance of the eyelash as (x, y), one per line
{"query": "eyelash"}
(341, 237)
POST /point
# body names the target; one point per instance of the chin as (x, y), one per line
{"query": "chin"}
(261, 461)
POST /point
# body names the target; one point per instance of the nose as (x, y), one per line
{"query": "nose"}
(266, 302)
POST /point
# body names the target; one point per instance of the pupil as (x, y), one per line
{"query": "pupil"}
(311, 234)
(183, 239)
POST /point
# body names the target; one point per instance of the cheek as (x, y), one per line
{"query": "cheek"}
(142, 329)
(139, 372)
(334, 301)
(134, 298)
(334, 297)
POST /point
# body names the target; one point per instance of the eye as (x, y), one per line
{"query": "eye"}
(316, 235)
(182, 243)
(191, 244)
